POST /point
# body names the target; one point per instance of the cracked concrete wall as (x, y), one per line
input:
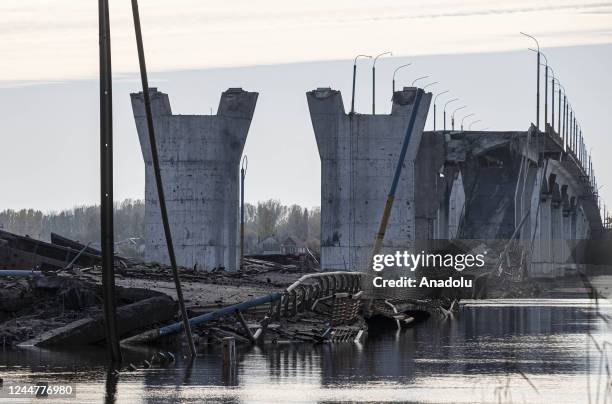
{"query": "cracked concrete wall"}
(358, 155)
(199, 158)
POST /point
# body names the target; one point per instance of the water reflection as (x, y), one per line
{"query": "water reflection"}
(503, 345)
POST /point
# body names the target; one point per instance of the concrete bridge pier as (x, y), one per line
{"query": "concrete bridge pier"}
(358, 157)
(199, 158)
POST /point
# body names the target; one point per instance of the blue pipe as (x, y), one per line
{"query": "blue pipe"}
(178, 327)
(402, 156)
(18, 272)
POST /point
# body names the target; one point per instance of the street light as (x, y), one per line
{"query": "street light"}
(395, 71)
(435, 98)
(552, 98)
(243, 170)
(417, 79)
(354, 78)
(374, 80)
(545, 85)
(430, 84)
(472, 123)
(453, 116)
(559, 108)
(538, 81)
(448, 102)
(463, 120)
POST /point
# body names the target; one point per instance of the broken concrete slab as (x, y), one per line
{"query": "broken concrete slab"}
(89, 330)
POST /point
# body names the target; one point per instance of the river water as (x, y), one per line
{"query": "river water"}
(496, 351)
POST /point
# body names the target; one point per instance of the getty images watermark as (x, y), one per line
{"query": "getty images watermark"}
(409, 261)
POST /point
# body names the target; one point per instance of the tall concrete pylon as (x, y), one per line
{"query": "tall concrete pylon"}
(199, 160)
(358, 155)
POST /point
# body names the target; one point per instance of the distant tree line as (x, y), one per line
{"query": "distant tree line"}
(265, 219)
(272, 219)
(81, 223)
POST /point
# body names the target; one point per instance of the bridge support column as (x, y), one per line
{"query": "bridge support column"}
(199, 158)
(358, 155)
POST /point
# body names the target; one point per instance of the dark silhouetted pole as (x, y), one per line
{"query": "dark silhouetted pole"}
(571, 125)
(374, 80)
(435, 98)
(473, 123)
(158, 179)
(394, 72)
(448, 102)
(545, 87)
(243, 169)
(537, 82)
(453, 116)
(355, 78)
(107, 239)
(545, 94)
(559, 117)
(565, 139)
(552, 99)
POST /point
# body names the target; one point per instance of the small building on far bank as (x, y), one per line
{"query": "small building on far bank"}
(292, 246)
(269, 245)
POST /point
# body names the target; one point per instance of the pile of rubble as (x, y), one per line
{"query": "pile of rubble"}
(272, 299)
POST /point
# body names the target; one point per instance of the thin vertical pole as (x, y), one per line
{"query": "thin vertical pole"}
(552, 107)
(158, 179)
(444, 119)
(242, 176)
(545, 95)
(353, 92)
(434, 117)
(573, 123)
(373, 89)
(538, 94)
(567, 145)
(559, 117)
(106, 185)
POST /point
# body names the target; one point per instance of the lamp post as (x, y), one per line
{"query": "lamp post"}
(448, 102)
(374, 80)
(552, 99)
(566, 121)
(453, 116)
(243, 169)
(395, 71)
(463, 120)
(472, 123)
(571, 130)
(559, 109)
(417, 79)
(537, 81)
(354, 79)
(433, 83)
(545, 85)
(435, 98)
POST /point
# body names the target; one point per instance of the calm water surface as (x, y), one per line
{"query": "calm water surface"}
(498, 351)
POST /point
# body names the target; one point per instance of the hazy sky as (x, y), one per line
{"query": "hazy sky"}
(196, 49)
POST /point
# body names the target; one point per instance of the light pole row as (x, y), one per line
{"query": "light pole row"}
(413, 83)
(568, 127)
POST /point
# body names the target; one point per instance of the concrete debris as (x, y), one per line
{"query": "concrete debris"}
(90, 330)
